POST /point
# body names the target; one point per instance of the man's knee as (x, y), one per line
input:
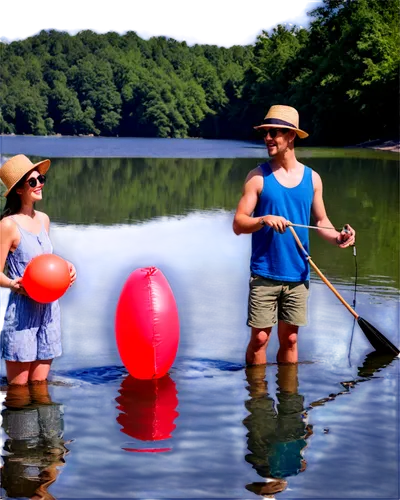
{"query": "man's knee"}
(291, 340)
(259, 337)
(287, 335)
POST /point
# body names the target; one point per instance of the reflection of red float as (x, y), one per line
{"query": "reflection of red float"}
(46, 278)
(147, 324)
(148, 410)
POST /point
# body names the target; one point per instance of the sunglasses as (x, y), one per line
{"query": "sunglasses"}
(33, 181)
(274, 131)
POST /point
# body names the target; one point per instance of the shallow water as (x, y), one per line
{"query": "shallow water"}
(211, 428)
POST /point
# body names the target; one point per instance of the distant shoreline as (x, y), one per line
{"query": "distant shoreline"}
(378, 144)
(392, 145)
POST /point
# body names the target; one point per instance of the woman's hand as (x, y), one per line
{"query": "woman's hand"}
(72, 273)
(16, 286)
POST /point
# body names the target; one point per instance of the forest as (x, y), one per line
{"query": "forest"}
(341, 73)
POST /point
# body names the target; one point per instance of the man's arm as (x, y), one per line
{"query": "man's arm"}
(344, 238)
(243, 222)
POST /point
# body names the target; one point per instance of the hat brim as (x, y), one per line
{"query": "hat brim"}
(298, 131)
(42, 167)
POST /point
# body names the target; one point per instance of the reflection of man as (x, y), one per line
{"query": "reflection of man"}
(34, 447)
(278, 435)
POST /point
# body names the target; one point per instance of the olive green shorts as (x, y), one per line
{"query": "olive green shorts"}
(270, 300)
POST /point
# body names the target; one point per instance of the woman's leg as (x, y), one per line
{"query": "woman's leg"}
(48, 343)
(17, 372)
(39, 370)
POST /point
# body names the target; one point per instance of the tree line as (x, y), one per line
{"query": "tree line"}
(341, 73)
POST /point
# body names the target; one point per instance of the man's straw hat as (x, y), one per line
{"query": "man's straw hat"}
(16, 167)
(283, 117)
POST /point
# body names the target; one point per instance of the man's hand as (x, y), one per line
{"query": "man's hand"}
(278, 223)
(347, 237)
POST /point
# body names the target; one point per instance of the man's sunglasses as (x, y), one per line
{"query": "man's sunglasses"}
(33, 181)
(273, 132)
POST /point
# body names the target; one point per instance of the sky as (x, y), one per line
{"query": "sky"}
(302, 19)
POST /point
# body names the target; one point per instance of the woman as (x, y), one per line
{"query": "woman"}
(31, 336)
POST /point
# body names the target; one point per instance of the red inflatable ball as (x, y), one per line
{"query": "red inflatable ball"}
(148, 410)
(46, 278)
(147, 324)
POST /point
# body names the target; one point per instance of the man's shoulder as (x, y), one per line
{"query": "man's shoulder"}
(256, 174)
(316, 180)
(315, 175)
(255, 180)
(307, 167)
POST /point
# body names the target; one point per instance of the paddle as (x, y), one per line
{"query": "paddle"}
(378, 341)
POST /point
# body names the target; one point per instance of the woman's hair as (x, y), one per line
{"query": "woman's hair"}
(13, 199)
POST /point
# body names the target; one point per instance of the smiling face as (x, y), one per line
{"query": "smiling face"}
(31, 189)
(278, 140)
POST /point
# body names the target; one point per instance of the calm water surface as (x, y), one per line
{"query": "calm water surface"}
(328, 428)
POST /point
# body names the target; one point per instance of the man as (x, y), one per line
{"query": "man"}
(277, 192)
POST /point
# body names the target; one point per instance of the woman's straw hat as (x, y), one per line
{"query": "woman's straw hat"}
(16, 167)
(283, 117)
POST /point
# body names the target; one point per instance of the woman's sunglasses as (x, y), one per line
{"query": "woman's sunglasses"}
(33, 181)
(273, 132)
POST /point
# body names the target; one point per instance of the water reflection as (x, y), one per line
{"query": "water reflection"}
(276, 434)
(373, 363)
(133, 190)
(148, 410)
(34, 449)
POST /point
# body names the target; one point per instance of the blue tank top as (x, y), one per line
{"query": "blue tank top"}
(277, 256)
(30, 245)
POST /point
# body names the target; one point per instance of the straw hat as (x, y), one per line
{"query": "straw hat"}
(283, 117)
(16, 167)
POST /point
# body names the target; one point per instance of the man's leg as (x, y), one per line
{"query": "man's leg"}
(287, 334)
(256, 353)
(262, 310)
(292, 314)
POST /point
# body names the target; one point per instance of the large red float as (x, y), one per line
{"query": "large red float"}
(148, 410)
(46, 278)
(147, 324)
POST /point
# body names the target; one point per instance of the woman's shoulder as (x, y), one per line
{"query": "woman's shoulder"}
(8, 223)
(8, 230)
(42, 216)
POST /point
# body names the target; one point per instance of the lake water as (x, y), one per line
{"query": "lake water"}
(327, 428)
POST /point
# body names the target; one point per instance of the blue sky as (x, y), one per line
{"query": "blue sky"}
(302, 19)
